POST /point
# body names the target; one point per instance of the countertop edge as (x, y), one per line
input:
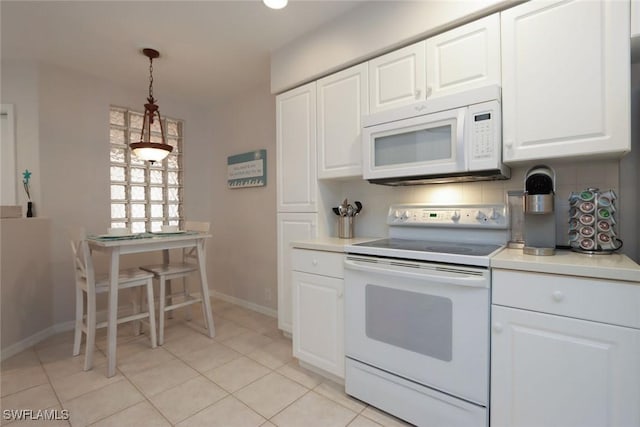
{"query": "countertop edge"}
(609, 267)
(329, 244)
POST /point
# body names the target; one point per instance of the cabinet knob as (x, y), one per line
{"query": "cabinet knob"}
(314, 262)
(418, 91)
(497, 326)
(557, 296)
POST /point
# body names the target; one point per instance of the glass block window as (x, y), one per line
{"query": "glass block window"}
(144, 196)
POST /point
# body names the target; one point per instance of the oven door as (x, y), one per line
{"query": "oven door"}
(425, 322)
(428, 144)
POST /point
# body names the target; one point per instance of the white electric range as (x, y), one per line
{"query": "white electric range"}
(417, 313)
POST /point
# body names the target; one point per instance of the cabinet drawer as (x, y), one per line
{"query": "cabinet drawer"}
(318, 262)
(607, 301)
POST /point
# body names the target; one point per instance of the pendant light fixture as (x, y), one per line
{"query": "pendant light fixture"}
(145, 149)
(275, 4)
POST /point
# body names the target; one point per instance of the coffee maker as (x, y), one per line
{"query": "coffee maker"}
(539, 218)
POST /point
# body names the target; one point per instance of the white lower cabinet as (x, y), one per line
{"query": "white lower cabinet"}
(318, 309)
(291, 227)
(548, 369)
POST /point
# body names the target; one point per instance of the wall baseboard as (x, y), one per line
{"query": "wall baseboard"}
(244, 303)
(34, 339)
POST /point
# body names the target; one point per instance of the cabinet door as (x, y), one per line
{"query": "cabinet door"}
(555, 371)
(296, 149)
(397, 78)
(342, 100)
(565, 79)
(464, 58)
(318, 321)
(291, 227)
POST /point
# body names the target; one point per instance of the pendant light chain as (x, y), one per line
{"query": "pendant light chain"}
(151, 78)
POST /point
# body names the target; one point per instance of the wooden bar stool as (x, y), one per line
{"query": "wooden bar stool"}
(87, 283)
(168, 271)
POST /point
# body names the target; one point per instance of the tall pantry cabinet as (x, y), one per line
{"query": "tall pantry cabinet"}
(297, 190)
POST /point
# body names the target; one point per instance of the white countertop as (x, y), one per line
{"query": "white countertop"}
(330, 244)
(612, 267)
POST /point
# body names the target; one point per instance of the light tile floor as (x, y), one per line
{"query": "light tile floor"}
(244, 377)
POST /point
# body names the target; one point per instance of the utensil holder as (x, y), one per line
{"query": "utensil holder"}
(345, 227)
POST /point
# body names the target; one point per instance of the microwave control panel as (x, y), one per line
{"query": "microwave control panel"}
(482, 135)
(483, 123)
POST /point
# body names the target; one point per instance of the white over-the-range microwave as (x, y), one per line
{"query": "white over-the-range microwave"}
(450, 139)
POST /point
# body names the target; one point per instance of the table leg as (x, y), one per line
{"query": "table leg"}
(166, 259)
(112, 321)
(206, 302)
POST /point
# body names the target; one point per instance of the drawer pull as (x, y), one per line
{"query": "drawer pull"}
(557, 296)
(314, 262)
(497, 326)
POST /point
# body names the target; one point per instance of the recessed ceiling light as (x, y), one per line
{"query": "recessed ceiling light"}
(275, 4)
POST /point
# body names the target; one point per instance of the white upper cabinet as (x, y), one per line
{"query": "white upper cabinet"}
(464, 58)
(343, 98)
(296, 149)
(397, 78)
(565, 79)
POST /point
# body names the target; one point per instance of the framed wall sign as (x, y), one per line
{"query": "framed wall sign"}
(247, 169)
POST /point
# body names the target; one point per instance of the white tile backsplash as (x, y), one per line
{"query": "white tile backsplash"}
(575, 176)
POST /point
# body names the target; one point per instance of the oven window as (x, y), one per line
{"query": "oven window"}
(410, 320)
(416, 146)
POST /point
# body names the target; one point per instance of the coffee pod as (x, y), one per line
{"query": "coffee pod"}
(587, 244)
(587, 231)
(604, 213)
(604, 226)
(587, 207)
(574, 198)
(604, 201)
(605, 241)
(587, 219)
(587, 195)
(609, 194)
(574, 236)
(573, 224)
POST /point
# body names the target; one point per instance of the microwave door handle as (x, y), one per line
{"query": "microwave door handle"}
(387, 270)
(461, 153)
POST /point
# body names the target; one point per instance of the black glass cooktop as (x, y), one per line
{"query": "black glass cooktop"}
(471, 249)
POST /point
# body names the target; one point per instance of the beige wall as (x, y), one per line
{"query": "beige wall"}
(26, 291)
(243, 264)
(63, 137)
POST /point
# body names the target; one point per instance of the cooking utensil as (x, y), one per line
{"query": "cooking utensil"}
(336, 211)
(358, 206)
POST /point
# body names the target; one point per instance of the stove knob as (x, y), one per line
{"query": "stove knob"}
(406, 214)
(456, 216)
(495, 214)
(396, 215)
(481, 216)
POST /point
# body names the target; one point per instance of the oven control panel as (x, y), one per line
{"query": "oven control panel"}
(462, 216)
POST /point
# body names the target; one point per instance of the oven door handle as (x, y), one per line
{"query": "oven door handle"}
(398, 271)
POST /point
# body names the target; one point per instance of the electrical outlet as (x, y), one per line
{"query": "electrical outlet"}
(267, 294)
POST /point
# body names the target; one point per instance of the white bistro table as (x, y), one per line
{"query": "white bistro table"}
(147, 243)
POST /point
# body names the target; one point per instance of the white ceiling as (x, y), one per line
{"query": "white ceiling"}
(210, 50)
